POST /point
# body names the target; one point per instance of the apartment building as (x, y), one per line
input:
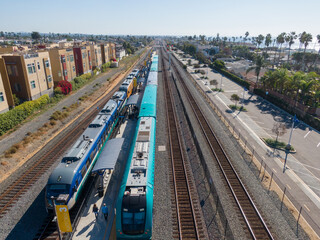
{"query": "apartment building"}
(96, 56)
(6, 99)
(62, 64)
(112, 51)
(30, 74)
(104, 52)
(82, 57)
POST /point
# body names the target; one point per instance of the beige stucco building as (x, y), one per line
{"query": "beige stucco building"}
(62, 64)
(30, 74)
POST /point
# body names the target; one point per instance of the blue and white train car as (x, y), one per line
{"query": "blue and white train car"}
(70, 175)
(135, 199)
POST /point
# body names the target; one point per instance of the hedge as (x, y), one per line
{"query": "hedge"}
(12, 118)
(78, 82)
(231, 76)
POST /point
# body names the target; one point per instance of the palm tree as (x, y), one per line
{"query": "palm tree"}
(259, 39)
(280, 41)
(282, 77)
(290, 40)
(259, 64)
(268, 41)
(246, 36)
(305, 38)
(315, 61)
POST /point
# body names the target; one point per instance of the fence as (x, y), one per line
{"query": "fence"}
(263, 172)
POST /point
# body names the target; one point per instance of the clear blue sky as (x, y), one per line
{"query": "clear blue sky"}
(174, 17)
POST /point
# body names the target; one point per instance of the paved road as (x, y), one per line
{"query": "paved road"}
(303, 166)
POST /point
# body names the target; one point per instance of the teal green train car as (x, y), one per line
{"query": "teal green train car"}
(134, 209)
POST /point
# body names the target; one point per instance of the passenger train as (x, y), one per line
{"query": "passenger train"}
(135, 199)
(69, 177)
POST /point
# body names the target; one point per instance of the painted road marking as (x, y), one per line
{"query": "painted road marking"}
(231, 91)
(259, 122)
(288, 186)
(274, 170)
(263, 157)
(306, 207)
(318, 144)
(306, 134)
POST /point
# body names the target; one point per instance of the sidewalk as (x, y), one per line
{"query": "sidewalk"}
(301, 179)
(89, 227)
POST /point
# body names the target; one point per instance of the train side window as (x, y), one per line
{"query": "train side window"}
(77, 183)
(88, 163)
(92, 155)
(83, 171)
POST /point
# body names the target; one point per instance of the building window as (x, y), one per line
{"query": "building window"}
(83, 55)
(49, 78)
(74, 68)
(67, 58)
(84, 65)
(38, 65)
(46, 63)
(65, 72)
(71, 58)
(30, 69)
(33, 84)
(17, 87)
(12, 70)
(1, 97)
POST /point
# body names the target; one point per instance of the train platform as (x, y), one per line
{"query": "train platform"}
(90, 227)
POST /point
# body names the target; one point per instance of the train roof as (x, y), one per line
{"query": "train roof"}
(109, 108)
(154, 67)
(118, 95)
(140, 158)
(149, 102)
(152, 78)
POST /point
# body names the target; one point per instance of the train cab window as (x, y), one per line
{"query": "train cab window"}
(56, 189)
(133, 214)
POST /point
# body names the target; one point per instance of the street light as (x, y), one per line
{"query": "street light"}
(244, 90)
(221, 83)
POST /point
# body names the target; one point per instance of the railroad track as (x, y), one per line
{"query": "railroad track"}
(187, 208)
(43, 160)
(256, 226)
(49, 231)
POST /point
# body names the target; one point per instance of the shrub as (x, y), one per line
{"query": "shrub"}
(65, 87)
(184, 66)
(10, 119)
(196, 65)
(16, 100)
(232, 77)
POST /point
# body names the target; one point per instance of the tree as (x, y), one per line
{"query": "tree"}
(279, 129)
(305, 38)
(280, 41)
(290, 40)
(35, 36)
(214, 82)
(246, 36)
(268, 41)
(259, 64)
(315, 62)
(235, 98)
(259, 40)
